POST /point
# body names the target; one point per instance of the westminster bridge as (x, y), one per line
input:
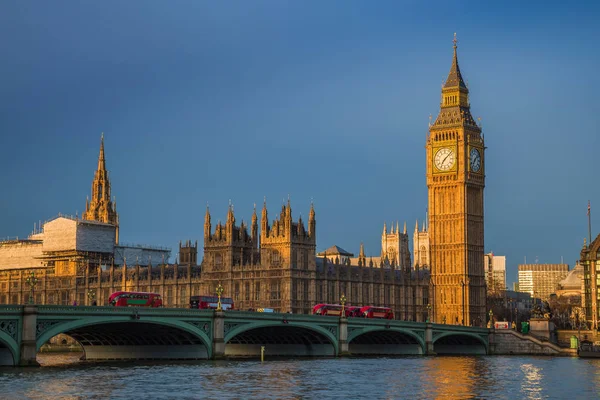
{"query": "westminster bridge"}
(115, 333)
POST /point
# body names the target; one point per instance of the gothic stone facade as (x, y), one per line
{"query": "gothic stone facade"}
(279, 270)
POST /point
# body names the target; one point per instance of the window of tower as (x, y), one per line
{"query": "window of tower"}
(257, 291)
(275, 291)
(423, 255)
(275, 257)
(218, 261)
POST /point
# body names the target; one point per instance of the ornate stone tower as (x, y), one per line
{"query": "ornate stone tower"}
(455, 182)
(226, 251)
(188, 253)
(394, 247)
(421, 247)
(100, 208)
(287, 250)
(229, 245)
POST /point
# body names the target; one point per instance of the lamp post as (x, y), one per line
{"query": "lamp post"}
(343, 303)
(428, 313)
(219, 291)
(463, 302)
(32, 282)
(491, 317)
(91, 295)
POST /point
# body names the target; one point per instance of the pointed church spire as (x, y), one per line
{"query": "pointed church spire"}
(404, 227)
(207, 227)
(311, 221)
(362, 250)
(417, 225)
(100, 207)
(230, 216)
(455, 78)
(101, 160)
(384, 228)
(254, 217)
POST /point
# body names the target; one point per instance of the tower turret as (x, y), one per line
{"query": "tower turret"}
(311, 221)
(254, 227)
(264, 220)
(207, 225)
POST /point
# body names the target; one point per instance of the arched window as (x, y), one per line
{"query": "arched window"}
(275, 258)
(423, 255)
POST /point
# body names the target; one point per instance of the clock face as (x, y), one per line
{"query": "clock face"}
(475, 160)
(445, 158)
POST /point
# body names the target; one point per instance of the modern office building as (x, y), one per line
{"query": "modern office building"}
(541, 280)
(495, 273)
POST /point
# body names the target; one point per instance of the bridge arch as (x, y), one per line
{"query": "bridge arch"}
(9, 350)
(124, 338)
(383, 340)
(290, 338)
(459, 343)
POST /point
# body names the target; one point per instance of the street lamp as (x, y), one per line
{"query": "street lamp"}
(463, 302)
(219, 291)
(91, 295)
(491, 318)
(428, 313)
(32, 282)
(343, 302)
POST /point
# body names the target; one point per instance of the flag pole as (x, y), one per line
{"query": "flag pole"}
(589, 214)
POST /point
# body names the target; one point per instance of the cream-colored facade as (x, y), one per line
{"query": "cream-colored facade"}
(541, 280)
(395, 251)
(455, 181)
(495, 273)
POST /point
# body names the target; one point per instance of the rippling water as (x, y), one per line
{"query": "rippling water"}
(511, 377)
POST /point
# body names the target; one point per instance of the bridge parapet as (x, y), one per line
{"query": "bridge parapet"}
(24, 329)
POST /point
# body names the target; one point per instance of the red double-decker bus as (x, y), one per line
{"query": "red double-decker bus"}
(377, 312)
(135, 299)
(336, 310)
(211, 302)
(353, 311)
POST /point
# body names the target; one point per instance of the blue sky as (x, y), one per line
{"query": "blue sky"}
(204, 101)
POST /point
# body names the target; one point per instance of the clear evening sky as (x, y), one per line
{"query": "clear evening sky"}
(206, 101)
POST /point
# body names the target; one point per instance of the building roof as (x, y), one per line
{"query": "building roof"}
(454, 76)
(336, 250)
(573, 279)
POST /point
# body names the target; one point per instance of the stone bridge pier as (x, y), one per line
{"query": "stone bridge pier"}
(28, 348)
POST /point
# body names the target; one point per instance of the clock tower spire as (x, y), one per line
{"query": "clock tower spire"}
(455, 183)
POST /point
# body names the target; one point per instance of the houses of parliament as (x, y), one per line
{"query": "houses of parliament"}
(272, 262)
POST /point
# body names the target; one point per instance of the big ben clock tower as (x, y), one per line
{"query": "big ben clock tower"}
(455, 182)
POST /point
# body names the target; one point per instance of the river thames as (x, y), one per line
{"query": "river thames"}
(497, 377)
